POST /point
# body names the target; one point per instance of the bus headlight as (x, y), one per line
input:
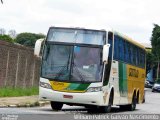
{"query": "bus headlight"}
(45, 85)
(94, 89)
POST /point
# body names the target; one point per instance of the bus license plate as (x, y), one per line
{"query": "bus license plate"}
(68, 96)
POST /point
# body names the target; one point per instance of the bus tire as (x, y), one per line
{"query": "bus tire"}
(130, 107)
(134, 102)
(137, 97)
(107, 109)
(56, 105)
(92, 109)
(143, 100)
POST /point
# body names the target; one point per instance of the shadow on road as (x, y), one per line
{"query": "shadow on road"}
(85, 110)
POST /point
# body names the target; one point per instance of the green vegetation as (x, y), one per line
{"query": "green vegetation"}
(150, 58)
(6, 38)
(153, 58)
(155, 40)
(28, 39)
(15, 92)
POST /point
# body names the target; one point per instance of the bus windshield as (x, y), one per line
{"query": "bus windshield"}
(82, 36)
(72, 63)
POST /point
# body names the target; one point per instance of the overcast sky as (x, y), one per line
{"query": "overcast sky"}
(134, 18)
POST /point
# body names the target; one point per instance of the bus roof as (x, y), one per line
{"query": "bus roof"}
(103, 30)
(129, 39)
(78, 28)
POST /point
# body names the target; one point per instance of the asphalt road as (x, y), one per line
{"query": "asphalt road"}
(151, 106)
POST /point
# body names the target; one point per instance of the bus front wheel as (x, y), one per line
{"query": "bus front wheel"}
(56, 105)
(107, 109)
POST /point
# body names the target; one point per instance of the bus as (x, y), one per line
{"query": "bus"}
(91, 68)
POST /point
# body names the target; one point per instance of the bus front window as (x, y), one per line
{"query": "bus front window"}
(87, 64)
(55, 63)
(72, 63)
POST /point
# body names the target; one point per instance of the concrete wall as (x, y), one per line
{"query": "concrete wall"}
(18, 66)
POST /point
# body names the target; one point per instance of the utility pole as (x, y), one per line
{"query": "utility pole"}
(2, 1)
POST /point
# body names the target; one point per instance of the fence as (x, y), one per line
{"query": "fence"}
(18, 66)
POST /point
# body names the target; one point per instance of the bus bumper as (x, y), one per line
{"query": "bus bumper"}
(87, 98)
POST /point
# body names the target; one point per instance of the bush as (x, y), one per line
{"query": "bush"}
(6, 38)
(28, 39)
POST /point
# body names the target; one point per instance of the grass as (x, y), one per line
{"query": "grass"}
(16, 92)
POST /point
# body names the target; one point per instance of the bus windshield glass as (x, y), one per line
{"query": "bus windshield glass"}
(72, 63)
(82, 36)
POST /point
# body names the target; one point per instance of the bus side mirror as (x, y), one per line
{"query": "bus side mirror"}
(37, 47)
(106, 53)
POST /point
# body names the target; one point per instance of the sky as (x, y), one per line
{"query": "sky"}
(134, 18)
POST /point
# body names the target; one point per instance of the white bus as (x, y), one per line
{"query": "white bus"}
(91, 68)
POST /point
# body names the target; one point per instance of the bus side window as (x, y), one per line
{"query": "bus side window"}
(134, 55)
(120, 50)
(144, 56)
(139, 57)
(110, 41)
(143, 59)
(115, 47)
(127, 52)
(123, 48)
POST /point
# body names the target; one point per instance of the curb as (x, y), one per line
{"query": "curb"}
(34, 104)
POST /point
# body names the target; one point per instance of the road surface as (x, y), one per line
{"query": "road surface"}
(151, 106)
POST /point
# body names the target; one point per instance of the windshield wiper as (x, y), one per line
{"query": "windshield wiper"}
(63, 68)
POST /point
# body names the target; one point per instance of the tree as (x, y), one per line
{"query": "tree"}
(150, 61)
(6, 38)
(28, 39)
(155, 41)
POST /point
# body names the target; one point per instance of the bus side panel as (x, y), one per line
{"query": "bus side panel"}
(136, 78)
(123, 83)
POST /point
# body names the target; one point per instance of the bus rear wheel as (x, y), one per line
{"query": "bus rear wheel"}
(56, 105)
(132, 106)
